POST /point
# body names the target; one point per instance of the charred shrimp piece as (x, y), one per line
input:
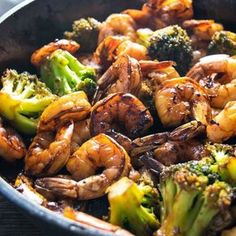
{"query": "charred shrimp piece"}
(217, 74)
(93, 222)
(74, 106)
(170, 148)
(121, 112)
(114, 46)
(49, 152)
(117, 24)
(12, 146)
(99, 152)
(123, 76)
(39, 55)
(180, 100)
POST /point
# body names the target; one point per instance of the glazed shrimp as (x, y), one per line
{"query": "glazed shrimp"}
(39, 55)
(223, 126)
(114, 46)
(118, 24)
(123, 76)
(12, 146)
(74, 106)
(48, 152)
(222, 88)
(180, 100)
(98, 152)
(81, 134)
(122, 112)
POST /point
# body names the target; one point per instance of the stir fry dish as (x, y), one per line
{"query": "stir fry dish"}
(128, 125)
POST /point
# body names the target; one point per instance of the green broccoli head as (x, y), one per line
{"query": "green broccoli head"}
(189, 199)
(131, 206)
(224, 162)
(64, 74)
(170, 43)
(23, 98)
(223, 42)
(85, 32)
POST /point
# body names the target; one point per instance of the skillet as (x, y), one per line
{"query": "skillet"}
(34, 23)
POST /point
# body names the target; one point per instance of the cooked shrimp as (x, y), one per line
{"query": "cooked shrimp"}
(93, 222)
(74, 106)
(202, 29)
(81, 134)
(12, 146)
(123, 76)
(223, 126)
(122, 112)
(39, 55)
(173, 147)
(48, 152)
(98, 152)
(117, 24)
(222, 88)
(113, 46)
(180, 100)
(156, 14)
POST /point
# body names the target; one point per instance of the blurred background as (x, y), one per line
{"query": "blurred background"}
(5, 5)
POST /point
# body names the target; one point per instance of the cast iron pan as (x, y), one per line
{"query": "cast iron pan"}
(34, 23)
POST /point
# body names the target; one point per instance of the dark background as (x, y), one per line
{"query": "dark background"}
(12, 222)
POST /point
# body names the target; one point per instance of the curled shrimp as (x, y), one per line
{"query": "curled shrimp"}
(39, 55)
(81, 134)
(93, 222)
(122, 112)
(12, 146)
(218, 74)
(74, 106)
(223, 126)
(98, 152)
(169, 148)
(180, 100)
(123, 76)
(113, 46)
(48, 152)
(118, 24)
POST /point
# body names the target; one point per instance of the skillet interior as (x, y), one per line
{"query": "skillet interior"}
(35, 23)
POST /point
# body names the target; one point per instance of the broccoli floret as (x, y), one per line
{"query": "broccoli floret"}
(23, 98)
(85, 32)
(64, 74)
(223, 42)
(170, 43)
(189, 200)
(131, 206)
(225, 162)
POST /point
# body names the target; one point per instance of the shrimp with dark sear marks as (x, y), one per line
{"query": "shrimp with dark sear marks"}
(114, 46)
(218, 74)
(39, 55)
(181, 100)
(169, 148)
(123, 76)
(122, 112)
(74, 106)
(12, 146)
(49, 152)
(98, 152)
(118, 24)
